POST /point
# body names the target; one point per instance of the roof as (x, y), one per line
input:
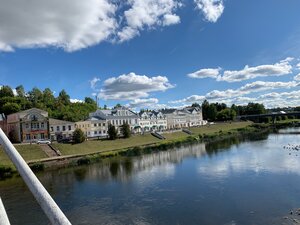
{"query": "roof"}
(58, 122)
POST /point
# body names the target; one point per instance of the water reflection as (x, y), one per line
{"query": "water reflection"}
(234, 181)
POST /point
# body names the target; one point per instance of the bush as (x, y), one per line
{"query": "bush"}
(37, 167)
(125, 130)
(78, 136)
(112, 132)
(83, 161)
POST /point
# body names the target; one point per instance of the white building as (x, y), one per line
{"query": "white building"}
(152, 121)
(187, 117)
(61, 129)
(118, 117)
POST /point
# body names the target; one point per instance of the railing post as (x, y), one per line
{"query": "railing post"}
(3, 216)
(48, 205)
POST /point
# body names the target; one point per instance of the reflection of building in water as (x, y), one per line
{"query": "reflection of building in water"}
(122, 169)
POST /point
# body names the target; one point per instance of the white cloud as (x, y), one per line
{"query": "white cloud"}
(278, 69)
(146, 102)
(283, 67)
(66, 24)
(212, 9)
(76, 100)
(297, 77)
(203, 73)
(132, 86)
(298, 66)
(232, 95)
(145, 14)
(93, 82)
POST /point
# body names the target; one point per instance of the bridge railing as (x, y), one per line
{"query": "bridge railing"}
(50, 208)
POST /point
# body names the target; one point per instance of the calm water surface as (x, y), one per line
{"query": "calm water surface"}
(231, 182)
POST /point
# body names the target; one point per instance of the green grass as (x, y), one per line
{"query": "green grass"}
(28, 152)
(88, 147)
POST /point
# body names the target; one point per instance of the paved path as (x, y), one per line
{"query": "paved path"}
(49, 152)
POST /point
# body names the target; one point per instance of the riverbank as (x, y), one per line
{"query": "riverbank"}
(96, 150)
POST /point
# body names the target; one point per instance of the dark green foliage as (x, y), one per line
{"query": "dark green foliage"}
(10, 107)
(13, 136)
(125, 130)
(6, 91)
(78, 136)
(83, 161)
(58, 108)
(5, 172)
(37, 167)
(226, 114)
(112, 132)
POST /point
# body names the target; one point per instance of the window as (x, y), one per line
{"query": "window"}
(70, 128)
(51, 128)
(42, 135)
(57, 128)
(95, 124)
(64, 128)
(95, 132)
(42, 125)
(99, 124)
(27, 125)
(104, 124)
(38, 125)
(27, 136)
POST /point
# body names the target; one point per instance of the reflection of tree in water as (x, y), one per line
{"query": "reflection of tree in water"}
(128, 166)
(114, 168)
(225, 144)
(80, 173)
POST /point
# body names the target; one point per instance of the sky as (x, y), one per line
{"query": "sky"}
(154, 53)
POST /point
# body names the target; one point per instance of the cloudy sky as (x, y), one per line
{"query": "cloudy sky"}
(154, 53)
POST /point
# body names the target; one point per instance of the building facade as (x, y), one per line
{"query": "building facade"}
(29, 125)
(183, 118)
(152, 121)
(117, 117)
(60, 129)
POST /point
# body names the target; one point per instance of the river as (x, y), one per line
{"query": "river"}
(235, 181)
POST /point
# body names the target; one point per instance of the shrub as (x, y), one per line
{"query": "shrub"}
(112, 132)
(78, 136)
(125, 130)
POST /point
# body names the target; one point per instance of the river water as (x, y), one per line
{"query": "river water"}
(235, 181)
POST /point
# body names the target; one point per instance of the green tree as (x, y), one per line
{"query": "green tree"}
(13, 136)
(212, 112)
(20, 91)
(117, 106)
(226, 114)
(78, 136)
(205, 107)
(125, 130)
(48, 98)
(10, 108)
(89, 100)
(63, 98)
(35, 96)
(112, 132)
(6, 91)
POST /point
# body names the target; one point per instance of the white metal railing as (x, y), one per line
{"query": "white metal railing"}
(3, 216)
(50, 208)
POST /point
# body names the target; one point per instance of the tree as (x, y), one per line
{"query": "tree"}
(9, 108)
(112, 132)
(6, 91)
(195, 104)
(13, 136)
(20, 91)
(48, 98)
(205, 106)
(226, 114)
(105, 107)
(63, 98)
(78, 136)
(125, 130)
(36, 97)
(212, 112)
(89, 100)
(117, 106)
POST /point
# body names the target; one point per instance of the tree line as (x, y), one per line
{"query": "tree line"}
(59, 107)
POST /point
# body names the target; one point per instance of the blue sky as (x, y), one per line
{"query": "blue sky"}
(154, 53)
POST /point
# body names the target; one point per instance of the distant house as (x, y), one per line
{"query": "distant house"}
(117, 117)
(29, 125)
(186, 117)
(152, 121)
(85, 126)
(61, 129)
